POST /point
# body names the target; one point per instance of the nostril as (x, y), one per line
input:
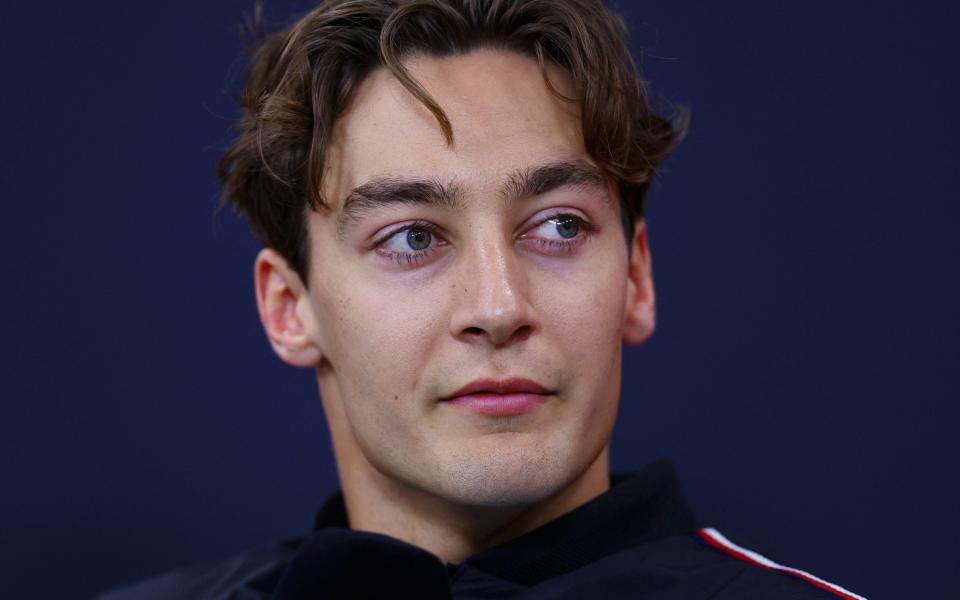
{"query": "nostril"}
(522, 333)
(473, 331)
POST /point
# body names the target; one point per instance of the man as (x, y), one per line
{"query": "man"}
(450, 196)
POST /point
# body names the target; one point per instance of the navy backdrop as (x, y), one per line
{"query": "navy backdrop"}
(803, 375)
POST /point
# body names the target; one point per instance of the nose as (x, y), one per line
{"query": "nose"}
(493, 304)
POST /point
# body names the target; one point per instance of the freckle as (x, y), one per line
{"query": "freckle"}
(396, 397)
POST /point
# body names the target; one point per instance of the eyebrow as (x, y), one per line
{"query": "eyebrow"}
(517, 185)
(540, 179)
(387, 191)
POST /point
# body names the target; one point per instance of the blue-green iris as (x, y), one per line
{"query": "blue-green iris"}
(567, 227)
(418, 239)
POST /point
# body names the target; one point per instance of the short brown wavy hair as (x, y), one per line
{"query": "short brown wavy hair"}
(301, 79)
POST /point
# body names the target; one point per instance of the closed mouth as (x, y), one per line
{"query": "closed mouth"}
(505, 397)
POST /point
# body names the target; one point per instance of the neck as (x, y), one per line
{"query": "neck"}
(454, 532)
(451, 531)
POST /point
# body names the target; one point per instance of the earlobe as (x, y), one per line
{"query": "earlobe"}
(640, 308)
(285, 310)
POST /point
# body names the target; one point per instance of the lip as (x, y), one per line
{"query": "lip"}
(500, 397)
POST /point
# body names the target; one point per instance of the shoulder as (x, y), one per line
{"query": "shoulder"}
(701, 564)
(761, 574)
(246, 577)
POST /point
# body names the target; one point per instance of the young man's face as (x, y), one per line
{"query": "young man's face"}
(499, 262)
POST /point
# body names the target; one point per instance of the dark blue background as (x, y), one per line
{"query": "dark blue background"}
(803, 375)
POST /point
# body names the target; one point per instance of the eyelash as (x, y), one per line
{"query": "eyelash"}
(415, 257)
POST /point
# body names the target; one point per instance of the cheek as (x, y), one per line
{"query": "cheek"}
(380, 338)
(583, 310)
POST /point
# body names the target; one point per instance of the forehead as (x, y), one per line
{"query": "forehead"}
(503, 115)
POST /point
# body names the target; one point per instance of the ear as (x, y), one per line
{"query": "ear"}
(639, 318)
(285, 310)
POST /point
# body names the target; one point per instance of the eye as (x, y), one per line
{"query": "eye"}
(559, 227)
(559, 232)
(409, 244)
(412, 238)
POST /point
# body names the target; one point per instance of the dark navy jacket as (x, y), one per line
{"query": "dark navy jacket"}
(637, 540)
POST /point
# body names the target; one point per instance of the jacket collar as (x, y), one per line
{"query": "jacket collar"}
(638, 508)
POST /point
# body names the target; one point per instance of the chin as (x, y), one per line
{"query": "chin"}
(509, 475)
